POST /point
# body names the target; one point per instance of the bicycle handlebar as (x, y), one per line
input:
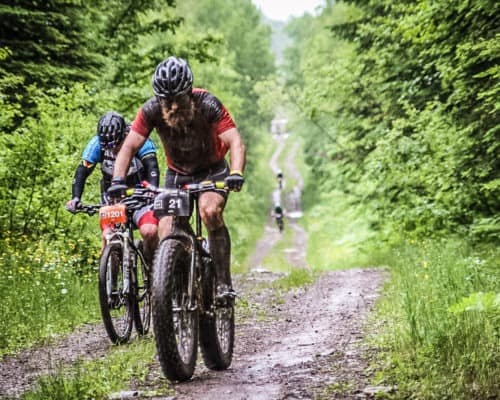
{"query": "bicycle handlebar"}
(191, 187)
(89, 209)
(139, 196)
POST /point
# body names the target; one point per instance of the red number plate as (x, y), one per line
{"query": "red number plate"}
(114, 214)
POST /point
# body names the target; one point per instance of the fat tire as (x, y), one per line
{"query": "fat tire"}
(216, 347)
(171, 266)
(112, 257)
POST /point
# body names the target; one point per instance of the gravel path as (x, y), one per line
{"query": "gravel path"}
(303, 344)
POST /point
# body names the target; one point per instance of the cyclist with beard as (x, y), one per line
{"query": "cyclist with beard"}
(196, 131)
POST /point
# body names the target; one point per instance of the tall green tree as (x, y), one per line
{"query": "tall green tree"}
(44, 44)
(133, 37)
(247, 44)
(403, 94)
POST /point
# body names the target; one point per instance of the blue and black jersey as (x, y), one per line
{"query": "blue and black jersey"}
(94, 154)
(144, 166)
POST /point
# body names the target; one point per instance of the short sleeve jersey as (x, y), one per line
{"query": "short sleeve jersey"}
(94, 154)
(197, 147)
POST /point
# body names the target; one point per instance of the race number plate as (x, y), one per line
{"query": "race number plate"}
(172, 202)
(112, 215)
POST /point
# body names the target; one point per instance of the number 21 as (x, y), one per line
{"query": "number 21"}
(174, 203)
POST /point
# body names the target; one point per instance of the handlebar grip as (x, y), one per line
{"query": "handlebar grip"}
(220, 185)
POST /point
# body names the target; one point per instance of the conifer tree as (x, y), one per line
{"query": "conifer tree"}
(44, 45)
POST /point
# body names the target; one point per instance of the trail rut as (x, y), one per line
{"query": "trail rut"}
(302, 344)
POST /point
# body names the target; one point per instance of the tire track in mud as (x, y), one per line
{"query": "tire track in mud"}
(305, 344)
(308, 339)
(288, 345)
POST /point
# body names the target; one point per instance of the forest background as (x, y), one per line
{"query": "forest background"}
(396, 106)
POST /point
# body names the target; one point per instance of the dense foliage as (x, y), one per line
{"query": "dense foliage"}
(398, 106)
(43, 44)
(404, 96)
(62, 64)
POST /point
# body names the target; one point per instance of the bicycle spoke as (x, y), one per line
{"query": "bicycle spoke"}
(115, 304)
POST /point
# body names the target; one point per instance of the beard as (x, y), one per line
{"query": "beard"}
(179, 114)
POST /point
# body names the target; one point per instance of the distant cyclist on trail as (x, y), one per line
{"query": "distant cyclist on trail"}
(197, 132)
(103, 148)
(279, 177)
(277, 210)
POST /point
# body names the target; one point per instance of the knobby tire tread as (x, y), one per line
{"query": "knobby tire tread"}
(170, 256)
(114, 336)
(214, 356)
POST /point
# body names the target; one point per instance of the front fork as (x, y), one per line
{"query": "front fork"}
(181, 227)
(122, 240)
(193, 265)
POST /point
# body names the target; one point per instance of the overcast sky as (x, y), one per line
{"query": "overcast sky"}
(281, 10)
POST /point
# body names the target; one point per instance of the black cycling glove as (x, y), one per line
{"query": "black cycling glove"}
(73, 204)
(234, 181)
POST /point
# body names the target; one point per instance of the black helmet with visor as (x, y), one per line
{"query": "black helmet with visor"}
(173, 77)
(111, 129)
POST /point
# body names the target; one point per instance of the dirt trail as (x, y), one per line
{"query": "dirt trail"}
(305, 344)
(309, 340)
(296, 345)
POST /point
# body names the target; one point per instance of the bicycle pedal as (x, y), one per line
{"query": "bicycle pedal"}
(113, 302)
(225, 298)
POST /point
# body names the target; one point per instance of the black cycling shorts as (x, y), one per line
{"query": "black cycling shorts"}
(216, 172)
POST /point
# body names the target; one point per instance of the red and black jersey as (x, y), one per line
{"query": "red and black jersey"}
(197, 148)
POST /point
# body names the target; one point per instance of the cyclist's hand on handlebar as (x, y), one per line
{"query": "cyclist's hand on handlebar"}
(234, 181)
(117, 190)
(73, 204)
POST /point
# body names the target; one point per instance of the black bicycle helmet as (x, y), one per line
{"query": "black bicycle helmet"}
(172, 77)
(111, 129)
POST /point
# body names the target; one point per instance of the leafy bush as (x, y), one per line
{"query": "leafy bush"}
(401, 100)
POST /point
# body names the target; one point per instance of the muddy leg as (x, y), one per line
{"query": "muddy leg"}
(220, 249)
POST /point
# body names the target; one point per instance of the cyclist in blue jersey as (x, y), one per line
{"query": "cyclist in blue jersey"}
(103, 148)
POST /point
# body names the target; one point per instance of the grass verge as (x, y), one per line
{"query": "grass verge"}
(45, 290)
(337, 233)
(441, 336)
(122, 368)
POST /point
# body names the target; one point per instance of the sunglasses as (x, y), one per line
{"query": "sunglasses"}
(178, 98)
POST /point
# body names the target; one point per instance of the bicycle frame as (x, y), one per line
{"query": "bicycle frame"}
(118, 218)
(184, 289)
(181, 208)
(181, 227)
